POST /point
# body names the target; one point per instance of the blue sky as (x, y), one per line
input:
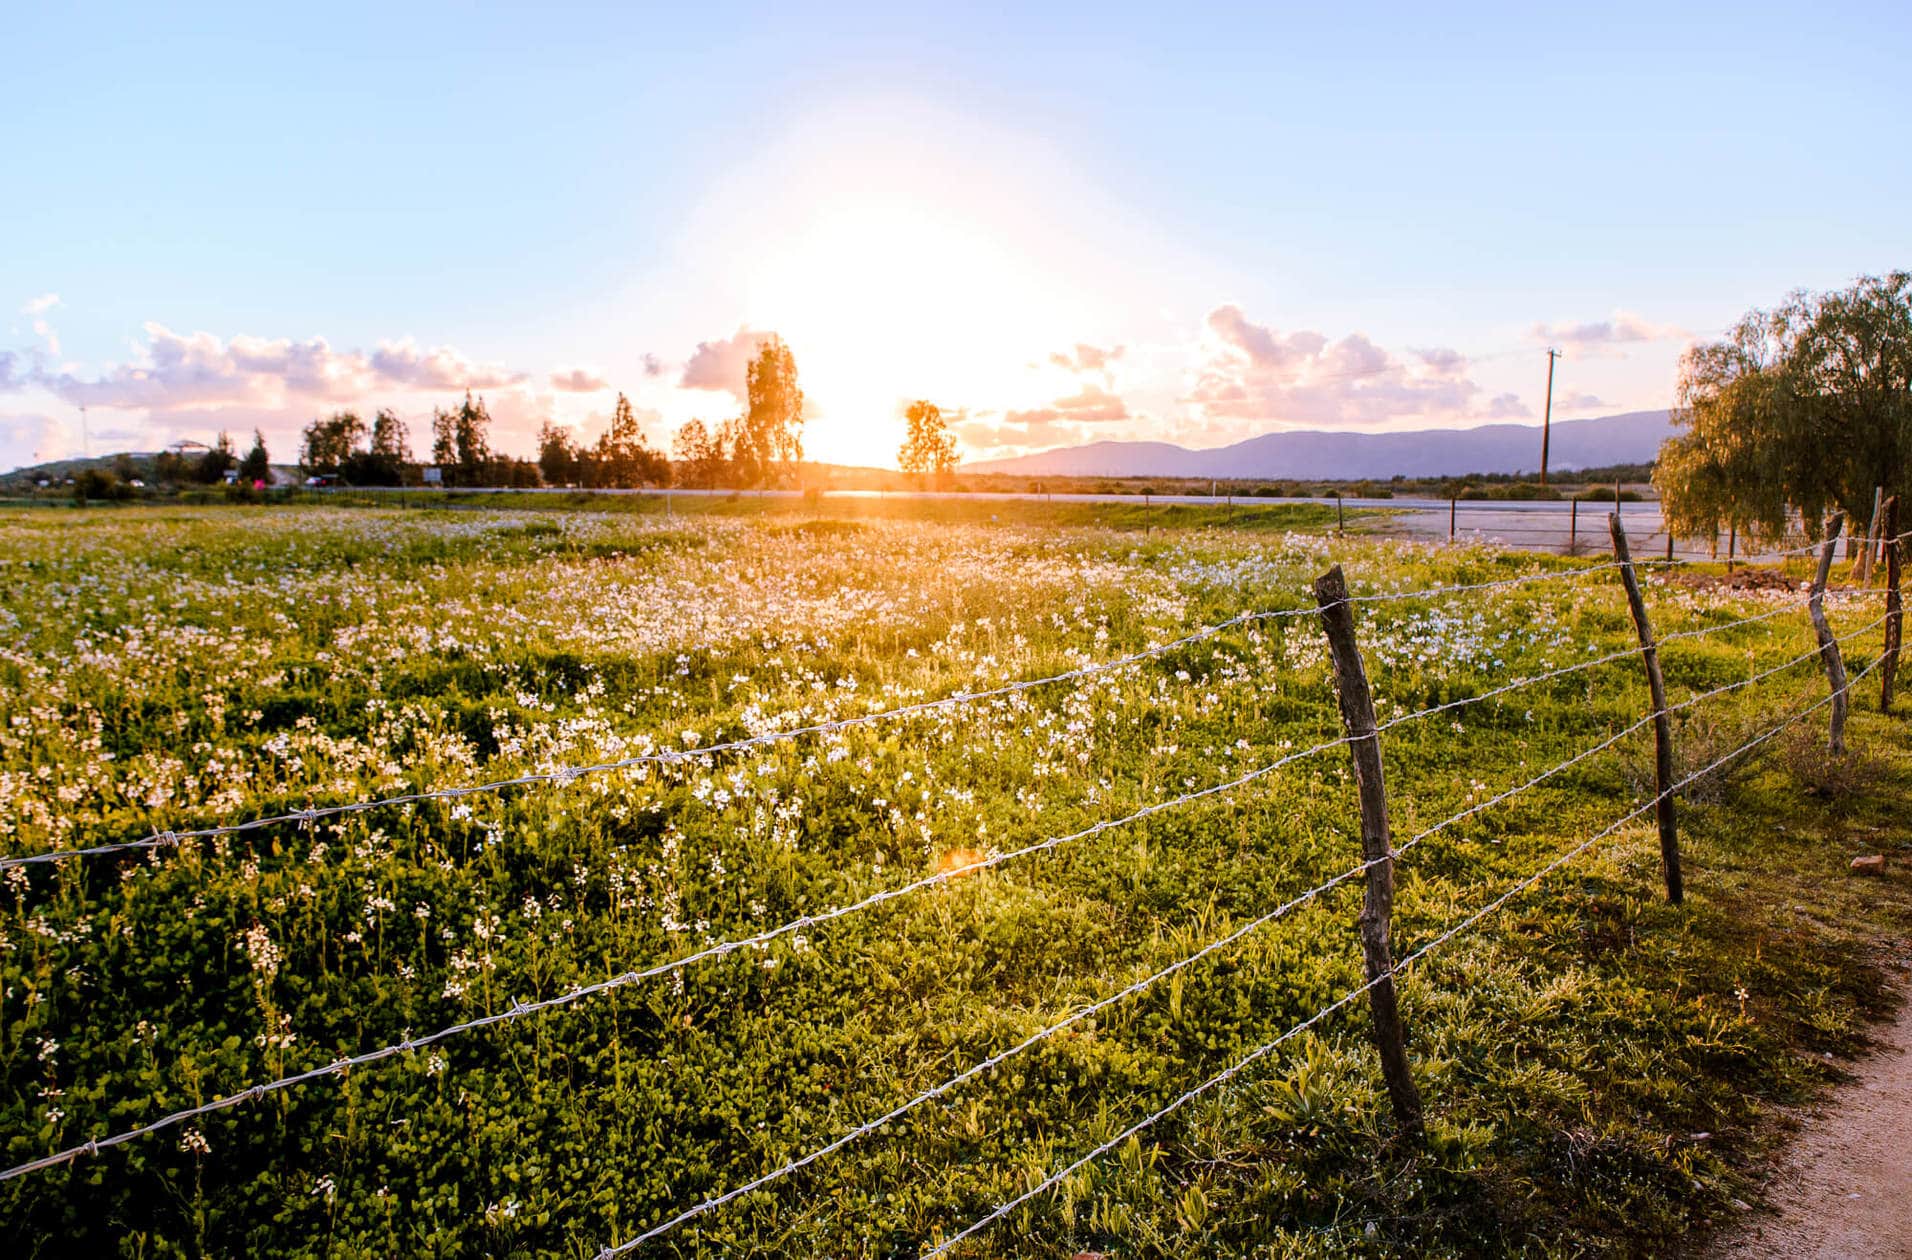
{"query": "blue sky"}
(1086, 222)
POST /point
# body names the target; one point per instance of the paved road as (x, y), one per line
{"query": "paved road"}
(1537, 525)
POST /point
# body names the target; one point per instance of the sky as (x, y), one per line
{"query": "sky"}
(1077, 223)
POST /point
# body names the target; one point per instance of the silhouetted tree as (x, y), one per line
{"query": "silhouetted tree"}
(769, 440)
(557, 455)
(697, 455)
(328, 443)
(257, 465)
(391, 438)
(929, 448)
(216, 462)
(623, 458)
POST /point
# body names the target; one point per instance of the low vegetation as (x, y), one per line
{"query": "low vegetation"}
(1597, 1065)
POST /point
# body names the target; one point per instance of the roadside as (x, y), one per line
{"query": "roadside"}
(1843, 1189)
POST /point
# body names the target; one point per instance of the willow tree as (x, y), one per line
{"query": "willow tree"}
(1800, 410)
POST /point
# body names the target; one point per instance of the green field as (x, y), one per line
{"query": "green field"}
(1597, 1065)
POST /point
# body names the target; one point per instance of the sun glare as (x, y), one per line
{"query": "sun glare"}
(890, 301)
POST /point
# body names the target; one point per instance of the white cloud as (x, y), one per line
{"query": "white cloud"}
(175, 372)
(1249, 372)
(405, 364)
(1088, 358)
(1508, 407)
(720, 364)
(31, 438)
(1621, 328)
(41, 305)
(579, 381)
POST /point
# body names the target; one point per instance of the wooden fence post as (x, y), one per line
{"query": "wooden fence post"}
(1732, 546)
(1863, 573)
(1340, 522)
(1894, 609)
(1364, 744)
(1662, 727)
(1452, 504)
(1829, 646)
(1669, 544)
(1573, 525)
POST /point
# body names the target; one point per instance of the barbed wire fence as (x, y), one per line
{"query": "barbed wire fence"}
(1361, 735)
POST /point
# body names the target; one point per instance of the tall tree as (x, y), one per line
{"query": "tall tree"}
(624, 458)
(929, 448)
(557, 455)
(257, 465)
(216, 462)
(391, 439)
(769, 442)
(1800, 409)
(330, 442)
(444, 437)
(472, 429)
(698, 455)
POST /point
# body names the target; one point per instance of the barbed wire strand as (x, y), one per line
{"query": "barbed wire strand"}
(568, 775)
(1242, 1064)
(1578, 666)
(1081, 1013)
(760, 940)
(721, 949)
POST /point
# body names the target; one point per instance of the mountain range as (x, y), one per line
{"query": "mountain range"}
(1629, 438)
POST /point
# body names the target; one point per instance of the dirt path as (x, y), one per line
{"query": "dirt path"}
(1843, 1190)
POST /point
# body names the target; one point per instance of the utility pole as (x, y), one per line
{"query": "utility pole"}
(1546, 417)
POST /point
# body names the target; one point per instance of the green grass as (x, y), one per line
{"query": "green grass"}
(172, 667)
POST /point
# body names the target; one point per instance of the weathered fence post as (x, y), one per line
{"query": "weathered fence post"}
(1669, 544)
(1573, 525)
(1829, 646)
(1732, 546)
(1364, 743)
(1452, 504)
(1863, 573)
(1894, 609)
(1662, 727)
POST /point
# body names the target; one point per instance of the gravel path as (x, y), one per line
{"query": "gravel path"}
(1843, 1190)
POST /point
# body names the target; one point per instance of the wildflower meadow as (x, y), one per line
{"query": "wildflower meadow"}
(172, 668)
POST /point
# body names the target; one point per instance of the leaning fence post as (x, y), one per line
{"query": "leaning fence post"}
(1894, 609)
(1662, 728)
(1573, 525)
(1364, 743)
(1829, 646)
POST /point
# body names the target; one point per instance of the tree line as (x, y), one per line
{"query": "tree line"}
(761, 447)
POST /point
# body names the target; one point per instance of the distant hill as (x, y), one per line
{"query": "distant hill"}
(1633, 437)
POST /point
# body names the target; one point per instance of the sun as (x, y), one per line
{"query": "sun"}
(888, 300)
